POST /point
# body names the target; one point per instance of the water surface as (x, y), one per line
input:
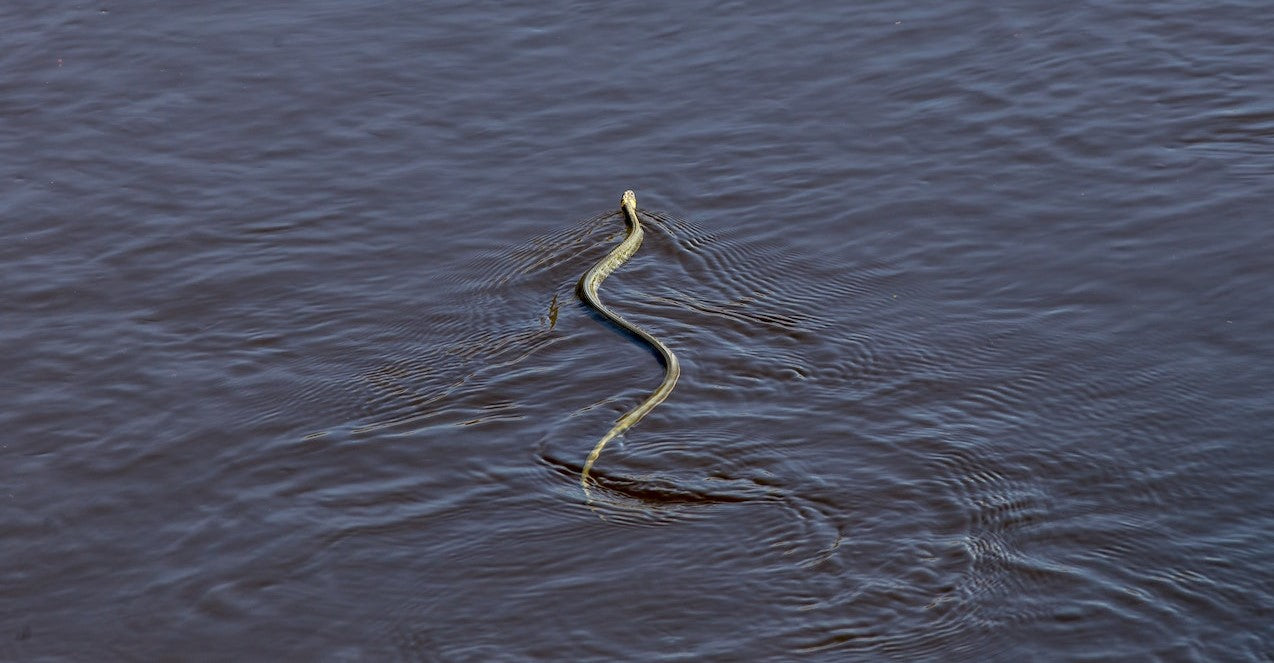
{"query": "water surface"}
(972, 306)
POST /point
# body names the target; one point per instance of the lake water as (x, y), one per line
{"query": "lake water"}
(972, 304)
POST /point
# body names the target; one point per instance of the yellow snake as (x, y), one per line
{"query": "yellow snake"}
(588, 285)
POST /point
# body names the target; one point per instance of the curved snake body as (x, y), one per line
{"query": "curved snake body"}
(588, 286)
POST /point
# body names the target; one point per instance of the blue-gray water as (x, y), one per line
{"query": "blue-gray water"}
(973, 305)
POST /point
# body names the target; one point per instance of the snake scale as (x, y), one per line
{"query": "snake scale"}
(588, 286)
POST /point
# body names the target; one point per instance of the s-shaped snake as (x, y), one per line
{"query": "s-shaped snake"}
(588, 285)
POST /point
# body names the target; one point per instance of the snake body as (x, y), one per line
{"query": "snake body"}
(588, 286)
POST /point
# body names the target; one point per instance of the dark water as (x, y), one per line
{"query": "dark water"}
(973, 306)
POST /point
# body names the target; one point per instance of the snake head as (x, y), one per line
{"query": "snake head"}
(629, 201)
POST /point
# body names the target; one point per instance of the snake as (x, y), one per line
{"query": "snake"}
(588, 286)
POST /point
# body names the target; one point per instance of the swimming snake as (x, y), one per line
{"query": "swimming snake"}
(588, 286)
